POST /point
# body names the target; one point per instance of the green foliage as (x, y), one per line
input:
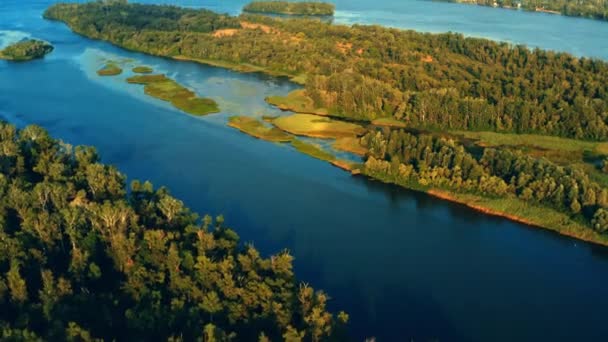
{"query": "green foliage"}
(82, 260)
(290, 8)
(429, 81)
(26, 50)
(166, 89)
(429, 162)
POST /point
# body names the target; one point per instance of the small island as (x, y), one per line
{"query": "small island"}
(166, 89)
(291, 8)
(110, 69)
(26, 50)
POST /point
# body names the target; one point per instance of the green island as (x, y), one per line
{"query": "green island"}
(413, 94)
(143, 70)
(86, 259)
(594, 9)
(257, 129)
(26, 50)
(110, 69)
(166, 89)
(291, 8)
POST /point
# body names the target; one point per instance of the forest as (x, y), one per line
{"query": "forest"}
(425, 161)
(426, 81)
(26, 50)
(595, 9)
(290, 8)
(86, 259)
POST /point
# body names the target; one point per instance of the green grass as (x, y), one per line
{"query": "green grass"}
(312, 150)
(109, 69)
(143, 70)
(166, 89)
(492, 139)
(296, 101)
(389, 122)
(350, 144)
(257, 129)
(318, 126)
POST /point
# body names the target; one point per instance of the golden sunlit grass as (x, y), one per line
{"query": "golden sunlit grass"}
(317, 126)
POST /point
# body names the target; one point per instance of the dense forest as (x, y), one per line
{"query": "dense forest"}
(290, 8)
(430, 81)
(426, 161)
(85, 259)
(596, 9)
(26, 50)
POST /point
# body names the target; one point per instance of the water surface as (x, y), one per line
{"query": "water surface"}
(404, 265)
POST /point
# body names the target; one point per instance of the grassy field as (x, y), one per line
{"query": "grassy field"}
(296, 101)
(109, 69)
(166, 89)
(492, 139)
(350, 144)
(389, 122)
(318, 127)
(257, 129)
(312, 150)
(143, 70)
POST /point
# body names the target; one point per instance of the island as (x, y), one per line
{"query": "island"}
(110, 69)
(575, 8)
(166, 89)
(504, 129)
(88, 258)
(26, 50)
(291, 8)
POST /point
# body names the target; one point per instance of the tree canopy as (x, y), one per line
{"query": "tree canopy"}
(290, 8)
(26, 50)
(84, 258)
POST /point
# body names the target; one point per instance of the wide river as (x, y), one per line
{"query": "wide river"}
(404, 265)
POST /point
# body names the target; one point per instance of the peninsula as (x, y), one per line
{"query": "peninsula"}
(592, 9)
(505, 129)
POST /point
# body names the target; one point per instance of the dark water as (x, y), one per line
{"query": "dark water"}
(404, 265)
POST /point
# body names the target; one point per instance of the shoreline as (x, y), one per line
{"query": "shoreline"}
(582, 233)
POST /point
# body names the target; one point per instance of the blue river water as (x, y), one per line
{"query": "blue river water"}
(404, 265)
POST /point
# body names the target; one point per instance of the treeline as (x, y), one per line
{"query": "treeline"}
(426, 161)
(595, 9)
(26, 50)
(290, 8)
(431, 81)
(82, 259)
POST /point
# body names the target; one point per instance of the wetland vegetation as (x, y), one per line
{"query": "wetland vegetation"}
(166, 89)
(257, 129)
(142, 70)
(110, 69)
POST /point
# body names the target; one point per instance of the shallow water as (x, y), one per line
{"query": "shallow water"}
(404, 265)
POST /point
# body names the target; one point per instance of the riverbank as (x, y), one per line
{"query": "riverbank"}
(509, 208)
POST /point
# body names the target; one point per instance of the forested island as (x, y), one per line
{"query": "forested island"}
(86, 259)
(594, 9)
(504, 129)
(26, 50)
(291, 8)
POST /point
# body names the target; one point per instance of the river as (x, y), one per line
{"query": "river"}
(404, 265)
